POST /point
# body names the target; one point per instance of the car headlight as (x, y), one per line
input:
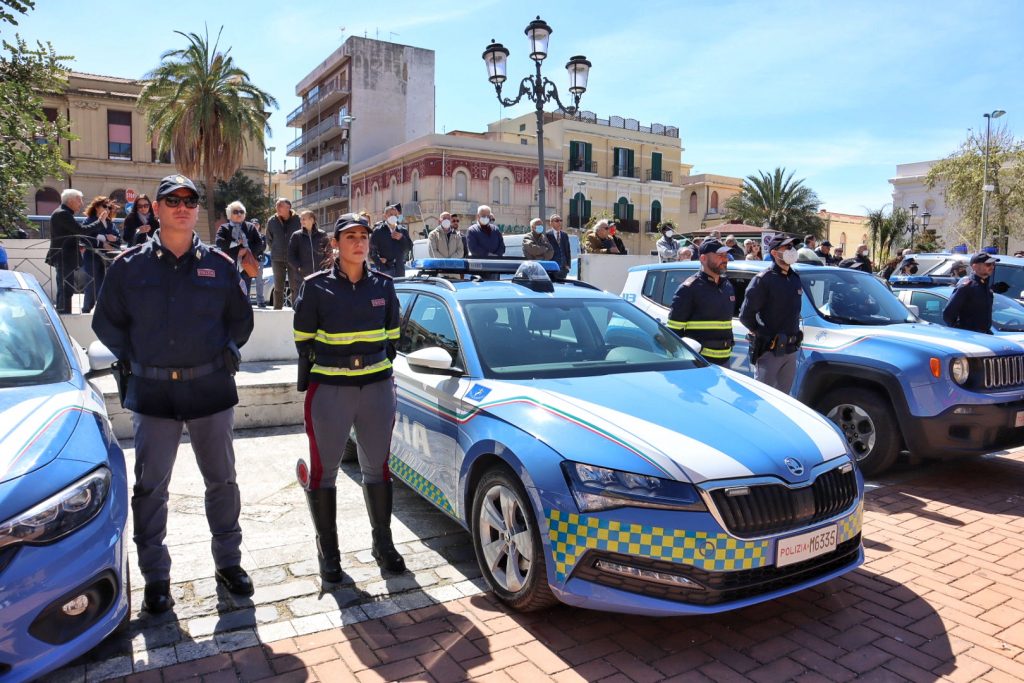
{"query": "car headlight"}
(60, 514)
(599, 488)
(959, 370)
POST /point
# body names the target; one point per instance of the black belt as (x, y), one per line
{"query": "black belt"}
(177, 374)
(353, 362)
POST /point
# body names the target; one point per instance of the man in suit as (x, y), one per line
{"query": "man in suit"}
(560, 242)
(63, 254)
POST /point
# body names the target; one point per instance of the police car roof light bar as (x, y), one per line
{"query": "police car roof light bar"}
(478, 266)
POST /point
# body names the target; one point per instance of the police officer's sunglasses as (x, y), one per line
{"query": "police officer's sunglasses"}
(173, 201)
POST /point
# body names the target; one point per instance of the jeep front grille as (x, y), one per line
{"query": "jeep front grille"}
(1003, 371)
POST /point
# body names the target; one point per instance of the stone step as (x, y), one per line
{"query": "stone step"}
(266, 398)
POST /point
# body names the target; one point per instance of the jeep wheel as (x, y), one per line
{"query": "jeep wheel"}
(507, 542)
(868, 423)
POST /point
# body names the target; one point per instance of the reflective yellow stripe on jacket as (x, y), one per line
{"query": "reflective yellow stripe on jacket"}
(342, 338)
(394, 333)
(715, 353)
(347, 372)
(707, 325)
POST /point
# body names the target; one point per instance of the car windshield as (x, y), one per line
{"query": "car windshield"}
(552, 338)
(30, 352)
(1007, 314)
(852, 298)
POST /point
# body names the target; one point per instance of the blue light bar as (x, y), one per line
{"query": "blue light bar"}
(481, 266)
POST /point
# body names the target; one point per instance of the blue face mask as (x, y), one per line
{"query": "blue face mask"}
(539, 229)
(401, 218)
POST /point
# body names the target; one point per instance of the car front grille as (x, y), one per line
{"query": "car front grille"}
(775, 508)
(1003, 371)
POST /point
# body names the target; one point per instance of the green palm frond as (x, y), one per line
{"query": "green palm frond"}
(785, 204)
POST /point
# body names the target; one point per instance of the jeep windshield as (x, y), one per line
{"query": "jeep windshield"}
(853, 298)
(1007, 314)
(555, 338)
(30, 352)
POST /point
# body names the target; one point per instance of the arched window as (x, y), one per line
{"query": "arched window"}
(713, 208)
(842, 239)
(461, 184)
(622, 209)
(415, 186)
(693, 202)
(506, 191)
(579, 211)
(495, 190)
(47, 201)
(377, 208)
(392, 191)
(655, 214)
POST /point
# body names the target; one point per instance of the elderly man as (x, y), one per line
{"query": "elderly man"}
(536, 245)
(390, 244)
(483, 238)
(734, 248)
(824, 251)
(560, 242)
(279, 231)
(599, 241)
(63, 253)
(444, 241)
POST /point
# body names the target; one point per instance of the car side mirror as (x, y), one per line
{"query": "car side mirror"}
(1001, 287)
(432, 359)
(692, 344)
(100, 360)
(913, 308)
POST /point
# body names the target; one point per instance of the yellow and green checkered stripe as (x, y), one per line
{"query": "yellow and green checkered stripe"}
(421, 484)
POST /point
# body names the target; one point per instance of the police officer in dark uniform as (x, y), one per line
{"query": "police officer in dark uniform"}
(174, 313)
(970, 307)
(390, 244)
(771, 311)
(703, 306)
(346, 326)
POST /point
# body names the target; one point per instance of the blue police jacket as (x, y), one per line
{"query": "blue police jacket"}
(160, 311)
(703, 309)
(348, 329)
(970, 306)
(772, 303)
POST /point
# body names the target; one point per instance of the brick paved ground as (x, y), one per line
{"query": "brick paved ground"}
(941, 597)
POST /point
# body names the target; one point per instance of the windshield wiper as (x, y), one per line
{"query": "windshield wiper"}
(831, 317)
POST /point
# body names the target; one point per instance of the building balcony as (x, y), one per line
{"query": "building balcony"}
(659, 176)
(625, 172)
(318, 167)
(328, 195)
(328, 94)
(326, 130)
(581, 166)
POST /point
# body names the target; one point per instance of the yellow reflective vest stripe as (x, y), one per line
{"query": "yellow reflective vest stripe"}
(347, 372)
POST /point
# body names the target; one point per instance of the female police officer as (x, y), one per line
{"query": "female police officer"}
(346, 320)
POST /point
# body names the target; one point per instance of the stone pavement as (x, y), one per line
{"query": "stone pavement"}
(941, 597)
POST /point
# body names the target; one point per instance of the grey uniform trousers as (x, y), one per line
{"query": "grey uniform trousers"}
(777, 371)
(156, 447)
(331, 412)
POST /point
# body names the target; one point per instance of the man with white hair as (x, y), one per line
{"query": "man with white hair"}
(63, 254)
(483, 239)
(598, 240)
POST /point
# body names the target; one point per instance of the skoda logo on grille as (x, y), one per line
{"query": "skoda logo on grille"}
(795, 466)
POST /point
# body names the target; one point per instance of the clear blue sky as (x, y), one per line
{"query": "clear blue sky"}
(838, 92)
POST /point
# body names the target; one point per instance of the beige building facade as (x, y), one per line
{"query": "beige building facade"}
(846, 230)
(114, 154)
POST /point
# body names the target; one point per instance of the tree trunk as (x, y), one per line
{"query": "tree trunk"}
(211, 217)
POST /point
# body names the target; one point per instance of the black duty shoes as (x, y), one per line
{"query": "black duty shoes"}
(235, 580)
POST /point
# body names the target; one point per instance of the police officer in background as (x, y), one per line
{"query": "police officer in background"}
(703, 306)
(771, 311)
(346, 326)
(390, 244)
(174, 313)
(970, 306)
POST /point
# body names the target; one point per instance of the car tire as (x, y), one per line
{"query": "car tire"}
(351, 452)
(507, 542)
(868, 423)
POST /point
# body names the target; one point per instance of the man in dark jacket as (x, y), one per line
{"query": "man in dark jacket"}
(390, 244)
(279, 231)
(970, 307)
(560, 241)
(860, 261)
(483, 239)
(63, 253)
(307, 250)
(702, 307)
(238, 234)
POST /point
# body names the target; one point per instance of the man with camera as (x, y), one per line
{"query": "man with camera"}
(771, 311)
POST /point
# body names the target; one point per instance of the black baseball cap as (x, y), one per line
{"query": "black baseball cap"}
(781, 241)
(348, 221)
(713, 247)
(175, 182)
(826, 243)
(983, 257)
(397, 206)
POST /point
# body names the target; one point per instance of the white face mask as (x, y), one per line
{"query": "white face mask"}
(789, 257)
(392, 220)
(484, 220)
(669, 233)
(446, 224)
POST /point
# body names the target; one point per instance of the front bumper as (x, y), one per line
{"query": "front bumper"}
(969, 429)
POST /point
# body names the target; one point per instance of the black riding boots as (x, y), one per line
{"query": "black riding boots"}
(378, 506)
(323, 508)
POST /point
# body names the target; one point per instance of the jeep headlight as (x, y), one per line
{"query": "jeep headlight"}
(60, 514)
(600, 488)
(959, 370)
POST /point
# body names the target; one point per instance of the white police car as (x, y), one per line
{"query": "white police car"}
(599, 461)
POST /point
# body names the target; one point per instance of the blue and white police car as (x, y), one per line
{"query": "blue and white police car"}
(63, 494)
(597, 460)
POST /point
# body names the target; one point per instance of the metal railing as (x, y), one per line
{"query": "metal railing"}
(613, 122)
(329, 158)
(337, 120)
(582, 166)
(659, 176)
(624, 172)
(329, 88)
(326, 194)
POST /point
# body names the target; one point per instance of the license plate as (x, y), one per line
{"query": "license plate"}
(805, 546)
(1019, 420)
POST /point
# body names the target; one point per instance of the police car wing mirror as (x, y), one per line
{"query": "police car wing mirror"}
(914, 309)
(432, 359)
(692, 344)
(1001, 288)
(100, 360)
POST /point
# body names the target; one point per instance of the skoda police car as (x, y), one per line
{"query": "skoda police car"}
(599, 461)
(63, 494)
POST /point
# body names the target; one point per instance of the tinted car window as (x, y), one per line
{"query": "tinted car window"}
(929, 306)
(1013, 276)
(852, 298)
(30, 351)
(429, 324)
(1007, 314)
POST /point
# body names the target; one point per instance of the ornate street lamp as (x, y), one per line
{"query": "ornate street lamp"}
(913, 223)
(985, 187)
(537, 88)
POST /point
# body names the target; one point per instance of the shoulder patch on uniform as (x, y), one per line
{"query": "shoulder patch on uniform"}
(965, 280)
(225, 256)
(316, 274)
(690, 280)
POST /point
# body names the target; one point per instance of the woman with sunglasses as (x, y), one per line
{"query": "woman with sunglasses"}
(99, 217)
(238, 234)
(140, 224)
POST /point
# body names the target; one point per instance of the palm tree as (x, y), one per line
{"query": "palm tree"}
(204, 110)
(777, 200)
(887, 231)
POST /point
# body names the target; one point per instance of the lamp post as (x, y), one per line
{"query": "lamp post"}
(270, 172)
(986, 188)
(913, 223)
(582, 203)
(536, 87)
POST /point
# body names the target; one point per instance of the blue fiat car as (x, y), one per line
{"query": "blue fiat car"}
(597, 460)
(63, 494)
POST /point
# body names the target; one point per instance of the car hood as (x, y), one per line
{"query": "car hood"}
(924, 337)
(692, 425)
(37, 423)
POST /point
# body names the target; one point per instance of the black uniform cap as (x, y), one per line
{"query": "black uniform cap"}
(347, 221)
(983, 257)
(713, 247)
(175, 182)
(781, 241)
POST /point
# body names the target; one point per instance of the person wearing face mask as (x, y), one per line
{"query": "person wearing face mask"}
(483, 239)
(703, 306)
(444, 241)
(970, 306)
(668, 248)
(536, 245)
(860, 261)
(390, 244)
(613, 233)
(140, 224)
(771, 311)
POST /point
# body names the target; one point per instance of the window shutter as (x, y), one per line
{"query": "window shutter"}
(586, 210)
(629, 212)
(629, 163)
(656, 166)
(588, 153)
(615, 160)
